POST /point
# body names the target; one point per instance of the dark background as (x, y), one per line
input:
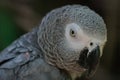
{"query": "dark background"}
(20, 16)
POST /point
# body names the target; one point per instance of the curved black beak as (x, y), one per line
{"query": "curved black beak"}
(93, 56)
(89, 60)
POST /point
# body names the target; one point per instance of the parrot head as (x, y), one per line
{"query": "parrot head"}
(72, 38)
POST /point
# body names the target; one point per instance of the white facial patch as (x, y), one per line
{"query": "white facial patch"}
(79, 41)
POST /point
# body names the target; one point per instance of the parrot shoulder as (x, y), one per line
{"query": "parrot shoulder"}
(21, 51)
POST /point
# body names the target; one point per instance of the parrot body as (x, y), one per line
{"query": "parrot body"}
(23, 60)
(67, 45)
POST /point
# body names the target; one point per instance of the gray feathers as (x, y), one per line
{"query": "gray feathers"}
(43, 53)
(52, 29)
(89, 21)
(23, 60)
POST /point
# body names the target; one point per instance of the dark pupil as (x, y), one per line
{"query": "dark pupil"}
(91, 44)
(72, 32)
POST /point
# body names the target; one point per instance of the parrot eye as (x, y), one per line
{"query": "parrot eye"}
(72, 33)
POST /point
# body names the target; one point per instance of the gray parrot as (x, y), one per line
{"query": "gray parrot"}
(67, 45)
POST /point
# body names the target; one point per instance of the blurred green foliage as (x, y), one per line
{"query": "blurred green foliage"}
(8, 29)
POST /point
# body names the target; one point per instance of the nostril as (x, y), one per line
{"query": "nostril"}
(91, 43)
(83, 57)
